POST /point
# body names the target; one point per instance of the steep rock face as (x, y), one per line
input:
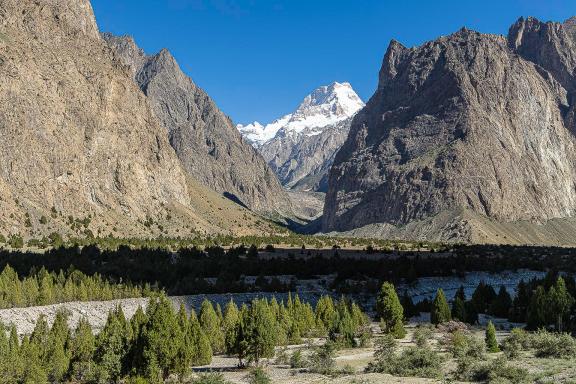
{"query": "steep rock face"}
(80, 141)
(459, 124)
(302, 161)
(300, 146)
(209, 147)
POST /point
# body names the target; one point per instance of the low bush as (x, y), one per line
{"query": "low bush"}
(464, 345)
(515, 343)
(558, 345)
(322, 360)
(296, 360)
(495, 371)
(412, 361)
(210, 378)
(422, 334)
(259, 376)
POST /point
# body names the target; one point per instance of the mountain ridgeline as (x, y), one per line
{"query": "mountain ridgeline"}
(85, 152)
(467, 137)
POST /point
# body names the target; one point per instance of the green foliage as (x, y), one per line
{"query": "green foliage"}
(210, 378)
(547, 344)
(412, 361)
(465, 345)
(296, 360)
(490, 338)
(15, 241)
(515, 342)
(259, 376)
(440, 311)
(260, 337)
(495, 371)
(560, 302)
(211, 326)
(322, 360)
(43, 288)
(390, 311)
(422, 334)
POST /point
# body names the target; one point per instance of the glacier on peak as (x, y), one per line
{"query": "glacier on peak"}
(325, 106)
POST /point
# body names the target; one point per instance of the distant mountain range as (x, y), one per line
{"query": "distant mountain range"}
(470, 137)
(300, 146)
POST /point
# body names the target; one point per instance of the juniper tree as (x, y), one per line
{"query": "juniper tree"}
(560, 302)
(459, 309)
(538, 309)
(325, 313)
(490, 338)
(82, 347)
(390, 311)
(162, 340)
(202, 348)
(211, 326)
(231, 316)
(112, 347)
(440, 311)
(259, 336)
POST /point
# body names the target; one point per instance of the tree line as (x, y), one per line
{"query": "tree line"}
(161, 342)
(41, 287)
(540, 303)
(218, 270)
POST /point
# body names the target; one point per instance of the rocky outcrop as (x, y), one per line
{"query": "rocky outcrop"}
(302, 160)
(82, 152)
(208, 145)
(468, 126)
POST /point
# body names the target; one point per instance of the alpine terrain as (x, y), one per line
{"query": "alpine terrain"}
(468, 137)
(300, 146)
(209, 147)
(83, 152)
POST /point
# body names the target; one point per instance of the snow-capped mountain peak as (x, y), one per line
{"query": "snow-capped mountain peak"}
(326, 105)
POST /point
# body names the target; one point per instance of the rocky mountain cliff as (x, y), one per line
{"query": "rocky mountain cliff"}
(300, 146)
(464, 133)
(82, 151)
(208, 145)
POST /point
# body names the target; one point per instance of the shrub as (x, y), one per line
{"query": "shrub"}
(515, 342)
(465, 345)
(296, 360)
(413, 361)
(421, 335)
(259, 376)
(210, 378)
(496, 371)
(322, 360)
(547, 344)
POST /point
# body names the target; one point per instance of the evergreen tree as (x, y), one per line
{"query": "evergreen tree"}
(186, 351)
(162, 340)
(112, 347)
(410, 309)
(560, 302)
(459, 309)
(440, 311)
(470, 312)
(202, 349)
(491, 342)
(58, 360)
(82, 347)
(260, 337)
(211, 326)
(502, 304)
(538, 309)
(325, 313)
(390, 311)
(231, 317)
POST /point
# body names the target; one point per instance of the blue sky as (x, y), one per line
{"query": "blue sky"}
(259, 58)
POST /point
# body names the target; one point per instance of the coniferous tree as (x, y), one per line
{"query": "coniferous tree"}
(162, 340)
(211, 326)
(112, 347)
(82, 347)
(325, 313)
(390, 311)
(459, 309)
(538, 309)
(58, 359)
(440, 311)
(231, 317)
(260, 337)
(202, 348)
(502, 304)
(490, 338)
(560, 302)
